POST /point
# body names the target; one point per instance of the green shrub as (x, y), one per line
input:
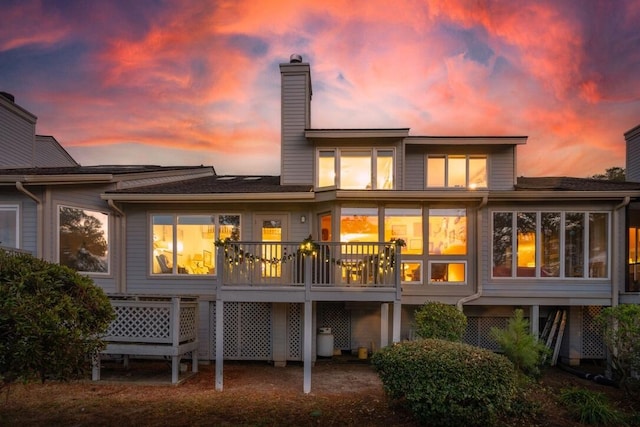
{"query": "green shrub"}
(440, 321)
(520, 346)
(621, 334)
(590, 407)
(50, 319)
(447, 383)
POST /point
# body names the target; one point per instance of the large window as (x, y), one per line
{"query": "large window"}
(447, 232)
(184, 244)
(356, 169)
(456, 171)
(9, 226)
(84, 239)
(406, 225)
(551, 244)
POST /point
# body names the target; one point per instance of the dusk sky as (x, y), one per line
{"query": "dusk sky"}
(197, 82)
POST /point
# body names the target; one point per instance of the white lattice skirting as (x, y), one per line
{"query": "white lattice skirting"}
(153, 326)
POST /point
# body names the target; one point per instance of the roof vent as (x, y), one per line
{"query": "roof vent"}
(8, 96)
(295, 59)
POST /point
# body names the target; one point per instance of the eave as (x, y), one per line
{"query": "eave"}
(561, 195)
(209, 197)
(466, 140)
(323, 134)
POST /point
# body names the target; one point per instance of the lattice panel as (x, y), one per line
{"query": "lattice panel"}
(153, 324)
(336, 317)
(188, 323)
(295, 323)
(479, 331)
(247, 331)
(592, 345)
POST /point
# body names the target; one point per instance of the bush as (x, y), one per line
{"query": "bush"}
(440, 321)
(590, 407)
(447, 383)
(50, 319)
(621, 334)
(520, 346)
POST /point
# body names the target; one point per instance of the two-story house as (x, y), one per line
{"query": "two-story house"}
(273, 258)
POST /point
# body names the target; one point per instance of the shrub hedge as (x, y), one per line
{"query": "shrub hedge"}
(441, 321)
(447, 383)
(51, 318)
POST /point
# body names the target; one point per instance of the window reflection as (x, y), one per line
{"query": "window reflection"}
(84, 239)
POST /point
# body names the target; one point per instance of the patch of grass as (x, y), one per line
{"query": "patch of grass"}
(590, 407)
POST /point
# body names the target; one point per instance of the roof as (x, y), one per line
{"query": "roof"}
(563, 183)
(219, 184)
(102, 169)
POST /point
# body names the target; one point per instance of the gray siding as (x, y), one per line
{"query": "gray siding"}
(414, 170)
(502, 167)
(17, 136)
(297, 153)
(632, 138)
(49, 153)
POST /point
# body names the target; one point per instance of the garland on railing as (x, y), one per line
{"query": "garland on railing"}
(234, 254)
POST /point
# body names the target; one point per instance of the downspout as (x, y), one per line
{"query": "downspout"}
(121, 285)
(478, 293)
(615, 295)
(39, 215)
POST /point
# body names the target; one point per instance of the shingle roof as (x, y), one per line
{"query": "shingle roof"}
(221, 184)
(84, 170)
(563, 183)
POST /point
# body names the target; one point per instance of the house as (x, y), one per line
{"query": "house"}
(361, 228)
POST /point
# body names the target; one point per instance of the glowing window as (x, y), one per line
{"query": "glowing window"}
(326, 168)
(358, 169)
(355, 170)
(456, 171)
(447, 232)
(405, 224)
(452, 272)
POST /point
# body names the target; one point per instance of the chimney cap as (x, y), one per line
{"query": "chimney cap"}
(295, 59)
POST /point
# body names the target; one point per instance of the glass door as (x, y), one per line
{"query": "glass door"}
(271, 231)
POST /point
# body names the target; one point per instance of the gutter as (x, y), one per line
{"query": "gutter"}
(615, 289)
(478, 292)
(40, 216)
(113, 206)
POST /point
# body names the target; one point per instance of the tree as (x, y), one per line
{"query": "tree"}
(621, 335)
(519, 345)
(83, 245)
(51, 319)
(615, 173)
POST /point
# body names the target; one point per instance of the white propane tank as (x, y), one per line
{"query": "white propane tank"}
(324, 343)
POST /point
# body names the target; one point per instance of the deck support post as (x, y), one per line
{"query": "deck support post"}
(384, 324)
(219, 342)
(308, 326)
(534, 320)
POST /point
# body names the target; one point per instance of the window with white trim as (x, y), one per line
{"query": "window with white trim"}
(185, 244)
(456, 171)
(550, 244)
(9, 226)
(356, 168)
(83, 239)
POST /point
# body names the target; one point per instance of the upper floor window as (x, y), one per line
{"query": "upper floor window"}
(84, 239)
(9, 226)
(551, 244)
(184, 244)
(456, 171)
(356, 169)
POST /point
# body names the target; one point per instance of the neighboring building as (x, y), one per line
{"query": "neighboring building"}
(476, 235)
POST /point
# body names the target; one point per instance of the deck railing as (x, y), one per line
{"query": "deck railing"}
(332, 263)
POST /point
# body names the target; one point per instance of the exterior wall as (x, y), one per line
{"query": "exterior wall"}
(414, 170)
(17, 136)
(296, 152)
(502, 167)
(49, 153)
(28, 217)
(632, 138)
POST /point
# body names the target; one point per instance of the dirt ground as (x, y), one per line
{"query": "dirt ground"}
(343, 393)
